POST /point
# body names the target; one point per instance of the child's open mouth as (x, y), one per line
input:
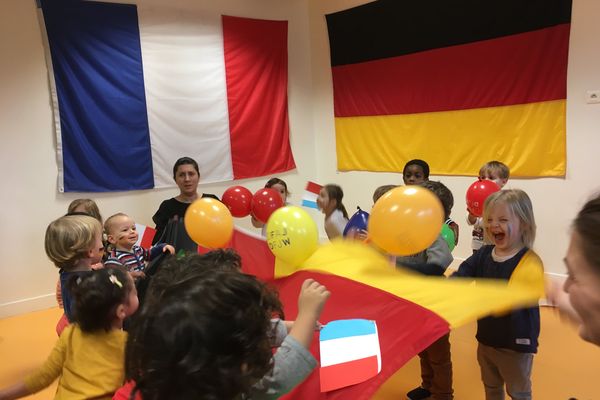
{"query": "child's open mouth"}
(498, 237)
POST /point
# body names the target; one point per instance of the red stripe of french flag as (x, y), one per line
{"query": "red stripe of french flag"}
(256, 69)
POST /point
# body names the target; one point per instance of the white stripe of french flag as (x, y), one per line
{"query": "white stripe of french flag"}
(350, 353)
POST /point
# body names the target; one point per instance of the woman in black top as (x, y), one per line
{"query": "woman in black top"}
(169, 217)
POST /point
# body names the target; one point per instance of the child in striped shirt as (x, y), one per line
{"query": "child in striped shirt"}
(122, 235)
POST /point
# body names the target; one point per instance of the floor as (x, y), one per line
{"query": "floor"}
(565, 367)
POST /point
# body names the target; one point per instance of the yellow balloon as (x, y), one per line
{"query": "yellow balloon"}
(209, 223)
(292, 235)
(406, 220)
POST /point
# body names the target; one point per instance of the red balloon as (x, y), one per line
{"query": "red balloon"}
(239, 201)
(477, 193)
(264, 203)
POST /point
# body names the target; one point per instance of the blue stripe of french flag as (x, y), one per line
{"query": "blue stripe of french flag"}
(350, 353)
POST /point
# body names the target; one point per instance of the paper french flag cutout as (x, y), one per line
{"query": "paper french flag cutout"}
(309, 198)
(145, 235)
(350, 353)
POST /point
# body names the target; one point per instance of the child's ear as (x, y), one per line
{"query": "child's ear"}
(111, 239)
(121, 312)
(504, 181)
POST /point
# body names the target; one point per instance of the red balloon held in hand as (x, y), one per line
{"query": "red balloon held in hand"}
(477, 193)
(264, 203)
(239, 201)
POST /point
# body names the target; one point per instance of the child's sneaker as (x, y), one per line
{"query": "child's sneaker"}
(418, 394)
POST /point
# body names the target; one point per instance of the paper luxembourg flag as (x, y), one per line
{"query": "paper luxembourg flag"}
(350, 353)
(136, 87)
(145, 235)
(309, 198)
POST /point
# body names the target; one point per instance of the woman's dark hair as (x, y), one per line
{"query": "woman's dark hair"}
(96, 296)
(207, 337)
(424, 166)
(276, 181)
(336, 193)
(184, 161)
(587, 225)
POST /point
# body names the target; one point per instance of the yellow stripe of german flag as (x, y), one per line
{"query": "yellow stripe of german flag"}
(384, 143)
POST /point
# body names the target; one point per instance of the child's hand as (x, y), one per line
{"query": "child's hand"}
(361, 235)
(357, 234)
(312, 298)
(557, 297)
(471, 219)
(169, 248)
(137, 274)
(553, 292)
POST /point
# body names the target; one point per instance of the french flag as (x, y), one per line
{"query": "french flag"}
(350, 353)
(135, 87)
(309, 198)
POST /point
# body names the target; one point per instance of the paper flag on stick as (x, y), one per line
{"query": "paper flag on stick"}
(350, 353)
(145, 235)
(309, 198)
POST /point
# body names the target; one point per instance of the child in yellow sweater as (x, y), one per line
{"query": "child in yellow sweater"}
(88, 358)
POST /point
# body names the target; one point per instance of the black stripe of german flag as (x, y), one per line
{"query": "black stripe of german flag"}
(379, 29)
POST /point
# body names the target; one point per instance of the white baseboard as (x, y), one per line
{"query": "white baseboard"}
(23, 306)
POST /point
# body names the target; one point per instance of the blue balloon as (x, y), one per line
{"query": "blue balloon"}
(358, 222)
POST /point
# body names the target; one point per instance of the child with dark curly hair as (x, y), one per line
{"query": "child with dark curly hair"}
(89, 355)
(220, 334)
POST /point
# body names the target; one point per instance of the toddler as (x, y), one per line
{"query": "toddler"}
(330, 204)
(122, 235)
(493, 171)
(506, 343)
(88, 358)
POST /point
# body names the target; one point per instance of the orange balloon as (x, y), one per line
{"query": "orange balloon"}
(209, 223)
(406, 220)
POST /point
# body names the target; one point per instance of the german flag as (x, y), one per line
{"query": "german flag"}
(456, 83)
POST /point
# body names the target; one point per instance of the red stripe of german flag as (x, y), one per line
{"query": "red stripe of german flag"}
(517, 69)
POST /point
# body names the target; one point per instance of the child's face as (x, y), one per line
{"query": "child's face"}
(123, 233)
(504, 229)
(187, 179)
(323, 199)
(414, 175)
(97, 250)
(493, 176)
(133, 302)
(282, 192)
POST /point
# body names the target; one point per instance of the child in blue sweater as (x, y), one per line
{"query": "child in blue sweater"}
(507, 343)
